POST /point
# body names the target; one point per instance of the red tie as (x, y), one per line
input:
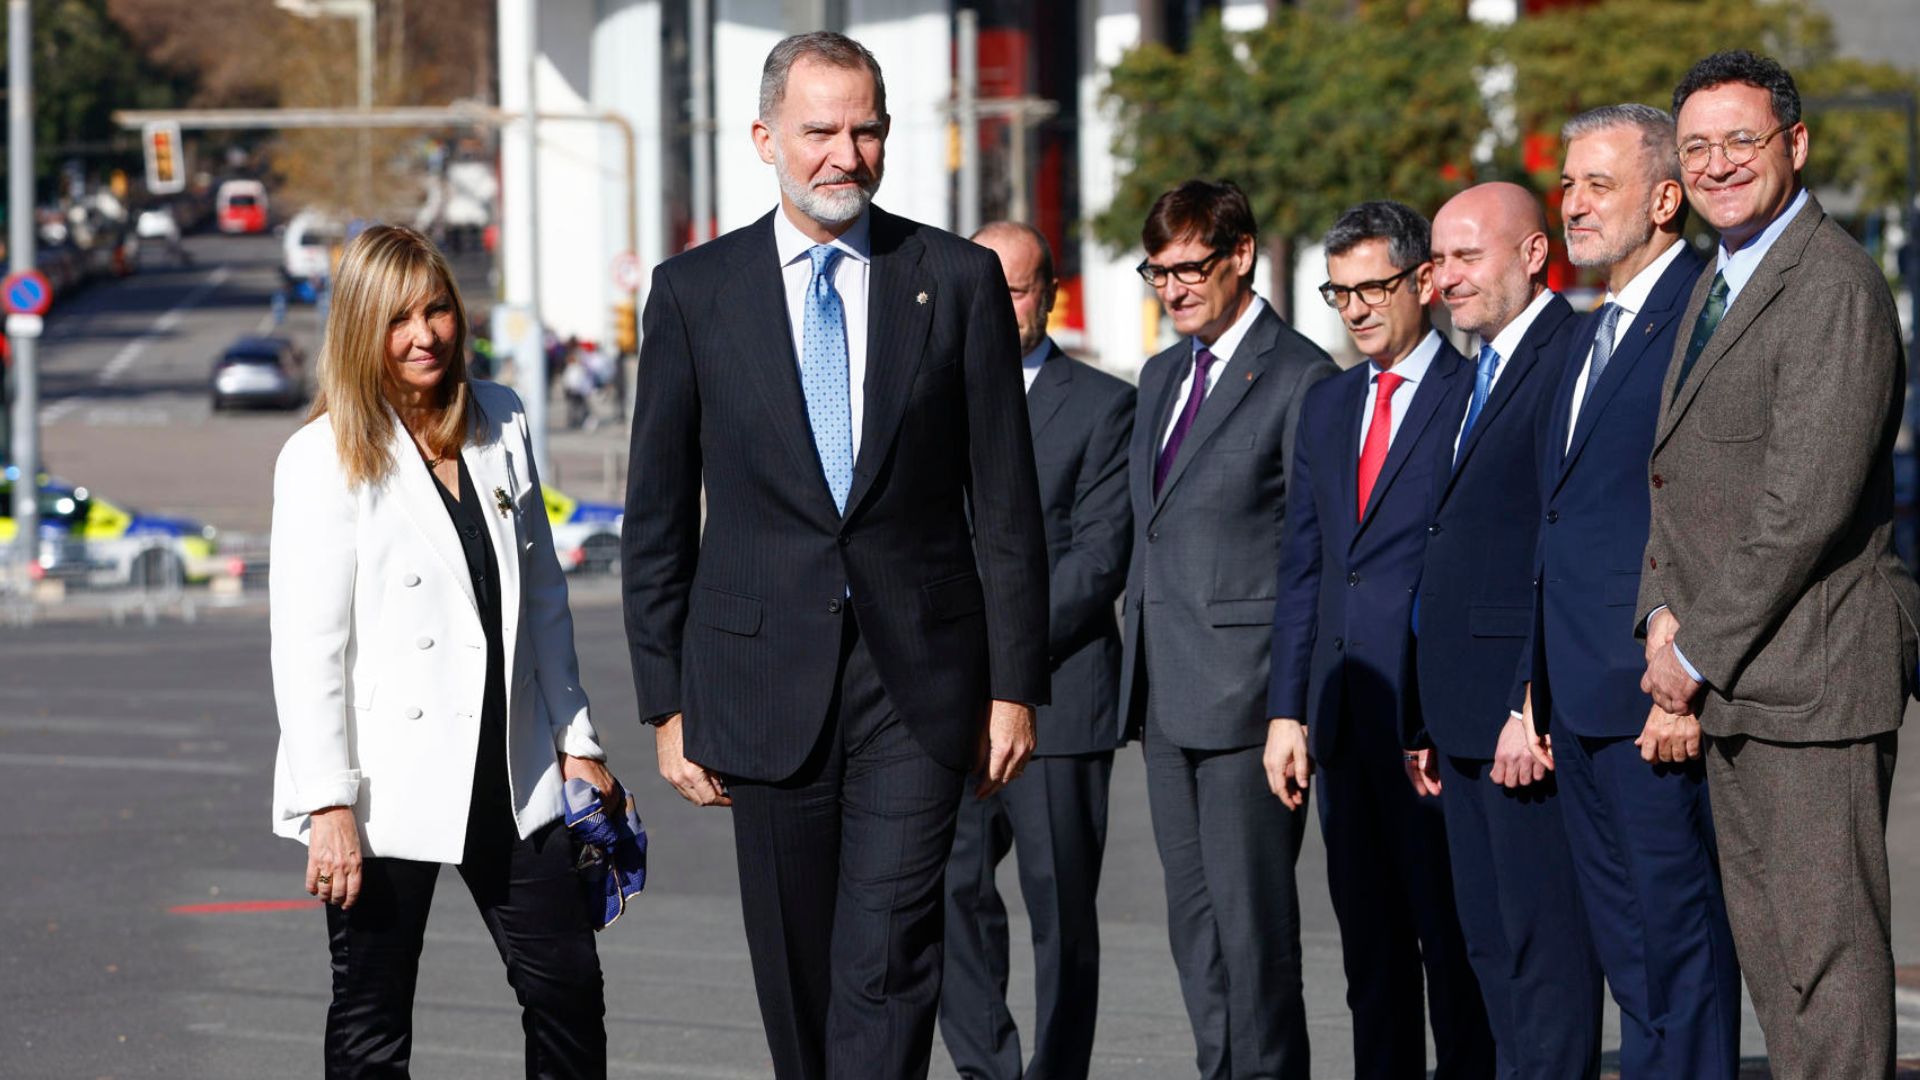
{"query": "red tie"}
(1373, 454)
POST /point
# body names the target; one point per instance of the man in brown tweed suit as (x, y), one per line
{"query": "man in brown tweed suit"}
(1772, 601)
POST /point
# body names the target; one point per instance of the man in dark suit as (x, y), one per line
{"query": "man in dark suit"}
(1632, 789)
(1364, 473)
(862, 619)
(1774, 606)
(1057, 814)
(1536, 966)
(1211, 453)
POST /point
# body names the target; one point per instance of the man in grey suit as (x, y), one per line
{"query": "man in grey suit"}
(1208, 468)
(1057, 814)
(1772, 601)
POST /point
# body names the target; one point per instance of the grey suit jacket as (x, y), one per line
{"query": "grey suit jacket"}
(1772, 499)
(1206, 551)
(1081, 419)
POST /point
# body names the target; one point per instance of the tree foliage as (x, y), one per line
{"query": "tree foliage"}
(1333, 103)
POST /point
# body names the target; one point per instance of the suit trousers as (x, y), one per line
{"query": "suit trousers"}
(1803, 859)
(1527, 937)
(841, 867)
(1392, 891)
(1056, 815)
(530, 897)
(1642, 842)
(1228, 849)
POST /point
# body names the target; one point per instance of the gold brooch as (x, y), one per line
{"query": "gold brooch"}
(500, 500)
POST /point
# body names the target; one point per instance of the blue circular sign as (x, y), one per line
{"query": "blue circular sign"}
(26, 293)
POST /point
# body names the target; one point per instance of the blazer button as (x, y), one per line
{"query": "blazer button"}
(1339, 643)
(1553, 517)
(1433, 529)
(413, 714)
(1153, 536)
(410, 580)
(833, 607)
(1353, 578)
(845, 540)
(1653, 563)
(423, 642)
(1659, 481)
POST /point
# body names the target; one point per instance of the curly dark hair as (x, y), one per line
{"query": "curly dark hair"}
(1742, 66)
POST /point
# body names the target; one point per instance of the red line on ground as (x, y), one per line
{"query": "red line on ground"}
(235, 907)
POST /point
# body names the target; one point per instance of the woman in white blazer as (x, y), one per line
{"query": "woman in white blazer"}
(423, 667)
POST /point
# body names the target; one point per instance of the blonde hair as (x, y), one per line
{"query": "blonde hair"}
(386, 272)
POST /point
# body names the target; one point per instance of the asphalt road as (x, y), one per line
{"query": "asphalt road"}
(150, 925)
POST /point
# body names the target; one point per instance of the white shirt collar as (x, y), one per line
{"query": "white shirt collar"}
(1229, 342)
(1508, 339)
(1414, 367)
(1738, 266)
(1634, 296)
(792, 244)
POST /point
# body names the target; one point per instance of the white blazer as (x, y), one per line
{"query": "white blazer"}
(379, 655)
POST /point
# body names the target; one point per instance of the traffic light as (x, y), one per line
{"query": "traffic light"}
(166, 170)
(626, 328)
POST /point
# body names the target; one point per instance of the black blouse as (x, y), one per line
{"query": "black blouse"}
(491, 797)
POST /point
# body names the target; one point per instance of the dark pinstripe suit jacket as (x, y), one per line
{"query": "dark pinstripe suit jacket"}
(739, 627)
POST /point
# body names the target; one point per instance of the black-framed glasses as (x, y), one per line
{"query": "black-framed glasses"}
(1186, 273)
(1740, 148)
(1371, 293)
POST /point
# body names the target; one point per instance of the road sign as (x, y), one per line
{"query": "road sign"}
(166, 164)
(626, 272)
(26, 293)
(25, 325)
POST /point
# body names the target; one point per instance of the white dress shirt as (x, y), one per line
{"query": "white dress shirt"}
(1030, 363)
(850, 275)
(1504, 344)
(1630, 300)
(1222, 351)
(1412, 369)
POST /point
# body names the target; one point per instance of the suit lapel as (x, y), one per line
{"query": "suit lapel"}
(1352, 409)
(1663, 305)
(1236, 379)
(418, 494)
(1514, 371)
(1051, 384)
(1427, 396)
(489, 462)
(901, 299)
(1146, 443)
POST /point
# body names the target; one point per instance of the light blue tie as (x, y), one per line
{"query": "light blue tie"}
(823, 375)
(1482, 386)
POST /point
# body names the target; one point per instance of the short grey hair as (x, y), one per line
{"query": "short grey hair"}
(1656, 129)
(836, 50)
(1408, 234)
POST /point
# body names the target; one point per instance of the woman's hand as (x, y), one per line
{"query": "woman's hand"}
(592, 771)
(333, 856)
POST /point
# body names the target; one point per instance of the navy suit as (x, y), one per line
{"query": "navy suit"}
(1525, 934)
(1056, 814)
(1341, 664)
(1641, 835)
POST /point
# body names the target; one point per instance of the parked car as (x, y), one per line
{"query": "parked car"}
(586, 535)
(260, 371)
(88, 540)
(240, 206)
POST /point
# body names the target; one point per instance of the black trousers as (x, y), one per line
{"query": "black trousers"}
(1056, 814)
(529, 895)
(840, 886)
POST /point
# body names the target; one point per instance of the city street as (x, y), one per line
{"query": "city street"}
(151, 926)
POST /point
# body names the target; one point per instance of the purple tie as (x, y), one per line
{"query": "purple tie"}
(1202, 360)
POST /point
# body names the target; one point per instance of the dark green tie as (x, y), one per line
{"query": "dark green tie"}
(1703, 328)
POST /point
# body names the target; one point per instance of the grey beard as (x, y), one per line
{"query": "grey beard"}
(823, 207)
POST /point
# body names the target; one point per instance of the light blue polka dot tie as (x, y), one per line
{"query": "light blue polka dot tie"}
(823, 375)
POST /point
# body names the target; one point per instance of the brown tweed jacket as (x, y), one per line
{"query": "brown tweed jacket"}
(1772, 492)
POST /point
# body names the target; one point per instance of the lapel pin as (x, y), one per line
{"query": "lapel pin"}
(920, 299)
(1249, 376)
(500, 500)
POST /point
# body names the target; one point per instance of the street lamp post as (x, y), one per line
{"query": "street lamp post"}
(361, 11)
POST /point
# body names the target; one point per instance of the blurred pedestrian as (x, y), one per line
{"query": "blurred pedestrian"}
(1341, 688)
(1774, 606)
(1512, 877)
(1208, 466)
(1057, 818)
(1632, 787)
(429, 699)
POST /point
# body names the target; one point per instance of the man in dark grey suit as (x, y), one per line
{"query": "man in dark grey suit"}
(1774, 606)
(1208, 467)
(862, 619)
(1057, 814)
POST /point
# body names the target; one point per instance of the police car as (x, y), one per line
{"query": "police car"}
(86, 539)
(586, 535)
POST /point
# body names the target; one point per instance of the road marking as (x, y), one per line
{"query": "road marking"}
(131, 352)
(88, 725)
(474, 1053)
(171, 765)
(239, 907)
